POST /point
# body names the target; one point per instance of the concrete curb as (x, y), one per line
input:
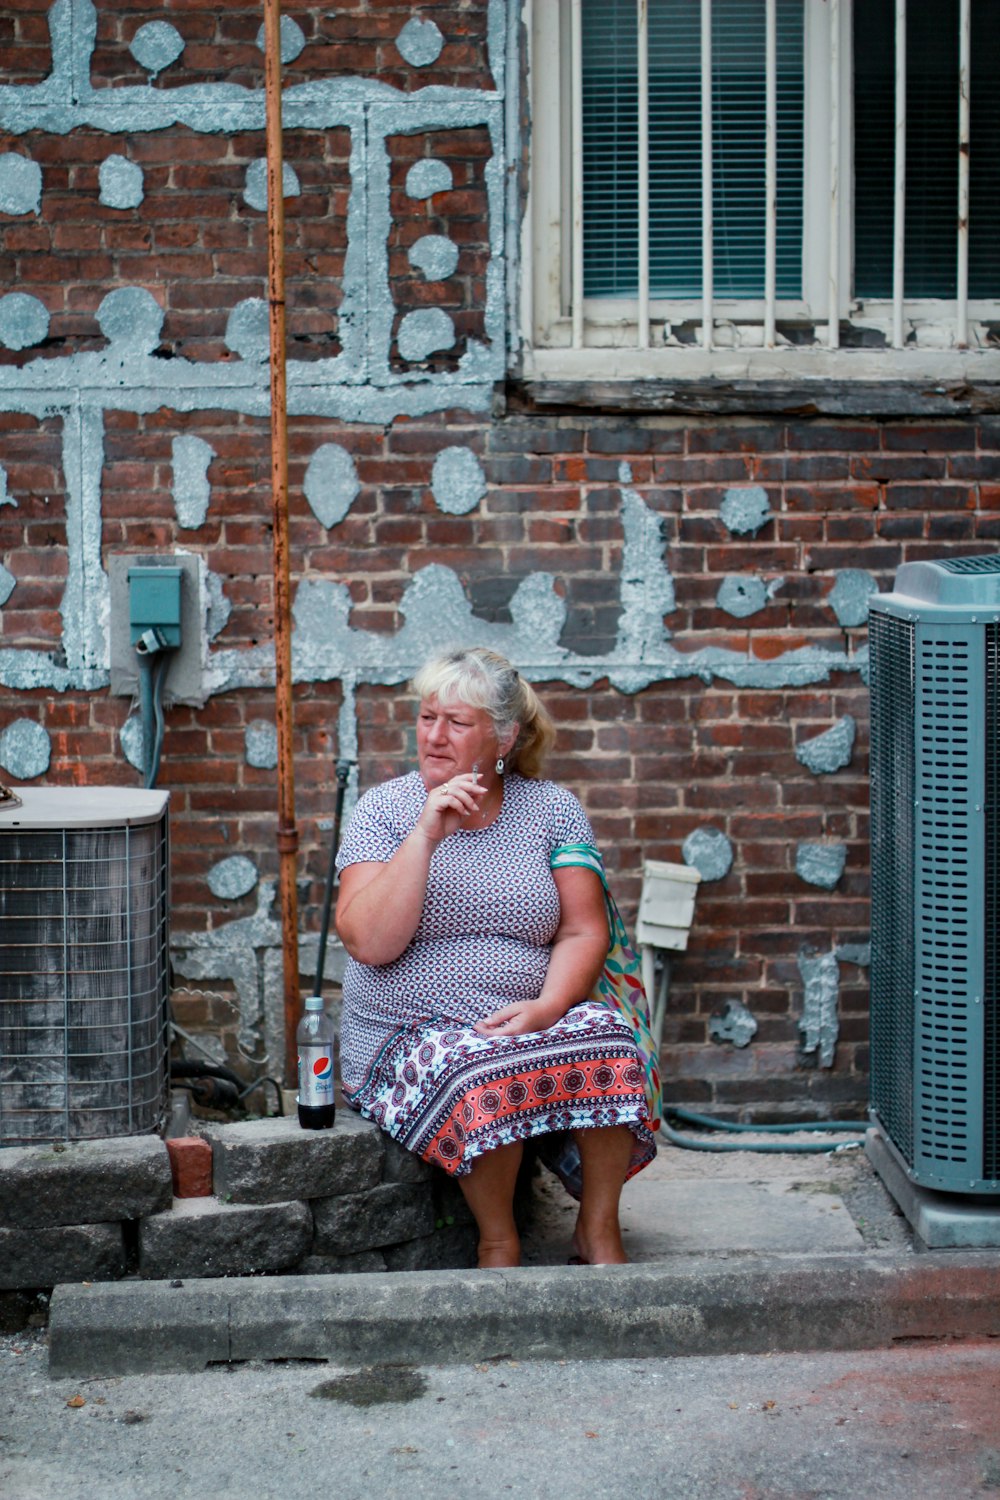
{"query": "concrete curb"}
(695, 1306)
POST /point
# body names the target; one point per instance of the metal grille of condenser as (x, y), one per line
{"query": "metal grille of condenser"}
(945, 957)
(892, 797)
(935, 789)
(83, 965)
(991, 1017)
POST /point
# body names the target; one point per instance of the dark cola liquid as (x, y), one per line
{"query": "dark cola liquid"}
(317, 1116)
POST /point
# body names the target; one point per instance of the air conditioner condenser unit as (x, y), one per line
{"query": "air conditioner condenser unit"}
(84, 978)
(935, 799)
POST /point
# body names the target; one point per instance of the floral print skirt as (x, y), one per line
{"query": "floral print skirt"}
(449, 1095)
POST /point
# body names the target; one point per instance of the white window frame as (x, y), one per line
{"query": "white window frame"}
(631, 339)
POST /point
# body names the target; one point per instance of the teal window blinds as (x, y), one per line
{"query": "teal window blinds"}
(610, 155)
(932, 99)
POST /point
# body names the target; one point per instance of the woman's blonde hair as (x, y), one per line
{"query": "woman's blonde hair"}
(484, 679)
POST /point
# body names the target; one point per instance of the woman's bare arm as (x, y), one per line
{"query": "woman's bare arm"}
(379, 905)
(579, 949)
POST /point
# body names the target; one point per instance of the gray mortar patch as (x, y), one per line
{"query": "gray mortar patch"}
(740, 596)
(218, 608)
(131, 739)
(24, 320)
(25, 750)
(855, 953)
(8, 583)
(20, 184)
(260, 745)
(850, 594)
(830, 751)
(331, 484)
(420, 42)
(646, 587)
(132, 318)
(744, 511)
(156, 45)
(734, 1023)
(248, 332)
(233, 877)
(434, 256)
(820, 864)
(255, 185)
(424, 332)
(457, 481)
(820, 1025)
(191, 457)
(122, 182)
(708, 851)
(291, 39)
(425, 178)
(5, 497)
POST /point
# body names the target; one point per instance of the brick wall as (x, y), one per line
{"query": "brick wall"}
(653, 766)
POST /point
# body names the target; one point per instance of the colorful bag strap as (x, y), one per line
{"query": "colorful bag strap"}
(620, 984)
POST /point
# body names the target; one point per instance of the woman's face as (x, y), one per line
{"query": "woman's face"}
(453, 738)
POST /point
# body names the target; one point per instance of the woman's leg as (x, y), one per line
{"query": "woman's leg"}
(489, 1192)
(604, 1158)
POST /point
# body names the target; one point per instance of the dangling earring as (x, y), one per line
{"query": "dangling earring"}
(500, 765)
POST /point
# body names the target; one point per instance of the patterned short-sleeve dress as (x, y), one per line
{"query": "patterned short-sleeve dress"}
(410, 1059)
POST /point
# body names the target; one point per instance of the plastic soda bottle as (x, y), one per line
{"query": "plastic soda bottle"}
(315, 1047)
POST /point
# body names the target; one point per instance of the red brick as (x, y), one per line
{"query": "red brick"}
(190, 1166)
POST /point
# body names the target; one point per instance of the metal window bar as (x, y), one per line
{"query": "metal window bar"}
(576, 150)
(833, 267)
(707, 227)
(642, 62)
(899, 206)
(964, 91)
(771, 172)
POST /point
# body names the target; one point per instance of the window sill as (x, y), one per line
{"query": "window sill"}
(802, 382)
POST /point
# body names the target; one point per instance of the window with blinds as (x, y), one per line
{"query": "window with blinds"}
(932, 64)
(782, 176)
(738, 108)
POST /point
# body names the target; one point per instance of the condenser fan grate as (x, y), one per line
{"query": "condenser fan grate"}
(83, 964)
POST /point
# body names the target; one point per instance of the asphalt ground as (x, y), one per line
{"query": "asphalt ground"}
(915, 1423)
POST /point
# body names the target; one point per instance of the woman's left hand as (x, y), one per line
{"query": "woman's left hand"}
(518, 1019)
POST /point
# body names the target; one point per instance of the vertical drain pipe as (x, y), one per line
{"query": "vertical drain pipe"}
(288, 834)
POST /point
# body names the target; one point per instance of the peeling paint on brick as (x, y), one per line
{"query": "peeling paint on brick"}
(8, 583)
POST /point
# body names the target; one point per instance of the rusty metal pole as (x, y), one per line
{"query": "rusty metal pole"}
(288, 834)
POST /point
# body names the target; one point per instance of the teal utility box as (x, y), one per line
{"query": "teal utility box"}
(154, 603)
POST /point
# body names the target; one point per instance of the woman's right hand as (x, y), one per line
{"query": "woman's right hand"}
(449, 805)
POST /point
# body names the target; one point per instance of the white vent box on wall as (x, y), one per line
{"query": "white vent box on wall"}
(666, 906)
